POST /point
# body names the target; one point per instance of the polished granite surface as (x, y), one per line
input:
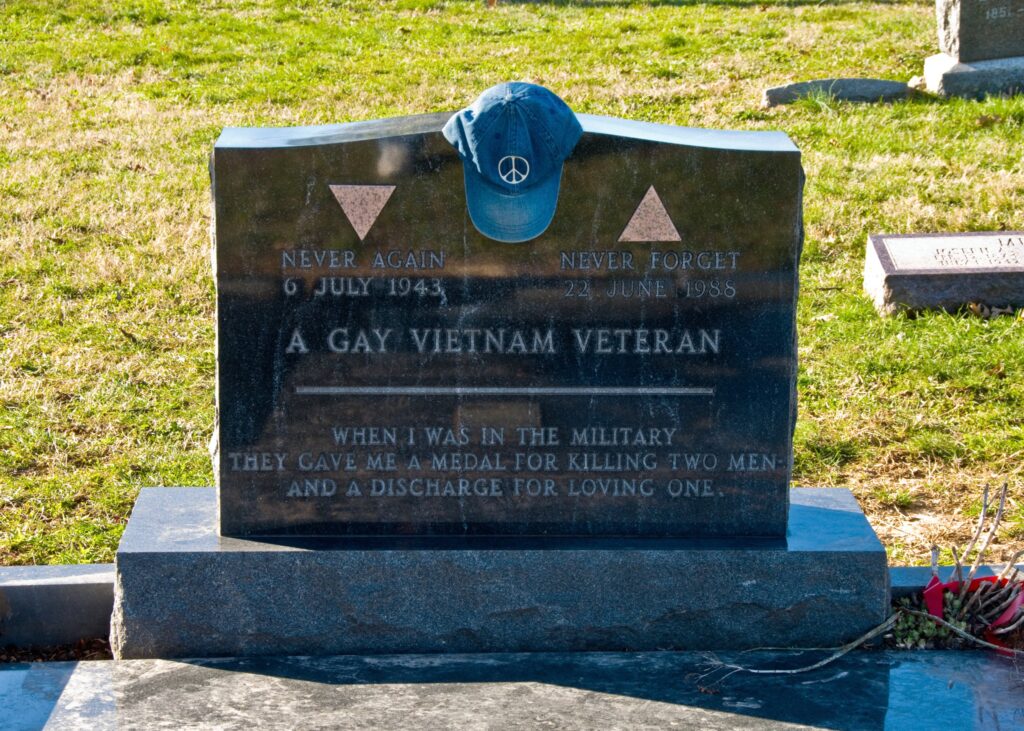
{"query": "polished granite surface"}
(386, 369)
(864, 690)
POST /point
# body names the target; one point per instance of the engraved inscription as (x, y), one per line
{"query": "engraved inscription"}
(956, 252)
(588, 462)
(997, 13)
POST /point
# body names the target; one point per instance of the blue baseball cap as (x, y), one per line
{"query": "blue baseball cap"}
(512, 141)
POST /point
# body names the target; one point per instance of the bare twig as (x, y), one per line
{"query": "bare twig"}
(1003, 587)
(839, 652)
(979, 527)
(991, 597)
(959, 572)
(984, 546)
(971, 544)
(1011, 568)
(1009, 628)
(985, 591)
(978, 594)
(993, 613)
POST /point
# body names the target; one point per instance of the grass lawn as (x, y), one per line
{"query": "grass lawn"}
(108, 111)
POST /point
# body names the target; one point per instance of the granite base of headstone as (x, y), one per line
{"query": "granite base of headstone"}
(944, 271)
(515, 380)
(946, 76)
(982, 49)
(184, 591)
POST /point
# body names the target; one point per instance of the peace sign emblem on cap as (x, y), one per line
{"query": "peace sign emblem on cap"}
(513, 169)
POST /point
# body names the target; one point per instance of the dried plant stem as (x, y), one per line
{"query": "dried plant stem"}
(839, 652)
(959, 569)
(992, 614)
(979, 593)
(1011, 627)
(999, 588)
(992, 595)
(1011, 567)
(981, 551)
(974, 539)
(883, 627)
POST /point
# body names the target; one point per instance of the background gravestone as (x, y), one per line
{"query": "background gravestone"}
(383, 368)
(982, 44)
(976, 30)
(944, 271)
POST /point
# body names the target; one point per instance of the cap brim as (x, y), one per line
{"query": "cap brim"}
(511, 218)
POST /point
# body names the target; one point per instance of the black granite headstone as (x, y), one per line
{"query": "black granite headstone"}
(385, 369)
(976, 30)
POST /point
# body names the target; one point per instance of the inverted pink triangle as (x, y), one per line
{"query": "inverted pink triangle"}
(362, 204)
(650, 221)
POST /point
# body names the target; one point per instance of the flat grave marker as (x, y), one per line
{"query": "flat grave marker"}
(944, 271)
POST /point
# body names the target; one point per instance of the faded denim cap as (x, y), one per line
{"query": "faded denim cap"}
(512, 142)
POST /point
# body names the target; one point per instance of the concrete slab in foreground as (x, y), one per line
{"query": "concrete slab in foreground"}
(864, 690)
(182, 591)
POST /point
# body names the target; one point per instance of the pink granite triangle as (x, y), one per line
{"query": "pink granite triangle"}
(650, 221)
(362, 204)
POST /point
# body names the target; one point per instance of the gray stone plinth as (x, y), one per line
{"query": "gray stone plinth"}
(848, 90)
(946, 76)
(54, 605)
(182, 591)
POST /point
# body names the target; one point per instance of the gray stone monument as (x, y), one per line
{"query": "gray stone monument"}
(944, 271)
(982, 44)
(462, 409)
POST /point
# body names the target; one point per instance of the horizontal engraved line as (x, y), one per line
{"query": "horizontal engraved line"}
(500, 391)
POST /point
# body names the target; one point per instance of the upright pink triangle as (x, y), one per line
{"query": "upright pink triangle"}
(362, 204)
(650, 221)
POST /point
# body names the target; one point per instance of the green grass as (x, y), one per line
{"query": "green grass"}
(109, 110)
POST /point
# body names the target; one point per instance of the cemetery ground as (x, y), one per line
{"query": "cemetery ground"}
(108, 111)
